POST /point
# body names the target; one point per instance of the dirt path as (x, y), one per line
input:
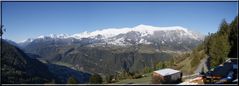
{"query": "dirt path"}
(202, 65)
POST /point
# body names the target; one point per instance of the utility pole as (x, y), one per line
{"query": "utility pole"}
(1, 33)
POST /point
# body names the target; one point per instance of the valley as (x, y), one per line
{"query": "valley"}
(101, 52)
(130, 52)
(119, 42)
(128, 57)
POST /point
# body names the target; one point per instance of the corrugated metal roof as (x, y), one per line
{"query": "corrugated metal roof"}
(166, 71)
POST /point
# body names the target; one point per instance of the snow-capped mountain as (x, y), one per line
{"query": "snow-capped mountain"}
(141, 34)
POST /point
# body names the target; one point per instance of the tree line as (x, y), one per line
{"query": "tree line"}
(223, 44)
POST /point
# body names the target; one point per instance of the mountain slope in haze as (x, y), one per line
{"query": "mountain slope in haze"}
(105, 60)
(63, 73)
(18, 68)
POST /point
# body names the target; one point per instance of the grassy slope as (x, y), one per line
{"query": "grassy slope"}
(184, 66)
(144, 80)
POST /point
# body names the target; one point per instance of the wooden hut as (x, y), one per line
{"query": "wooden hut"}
(166, 76)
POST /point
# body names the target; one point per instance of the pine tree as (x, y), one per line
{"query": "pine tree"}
(224, 28)
(233, 38)
(109, 78)
(218, 46)
(96, 79)
(72, 80)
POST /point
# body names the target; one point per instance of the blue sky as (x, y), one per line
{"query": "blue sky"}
(30, 19)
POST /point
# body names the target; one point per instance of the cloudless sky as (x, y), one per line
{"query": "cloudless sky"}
(30, 19)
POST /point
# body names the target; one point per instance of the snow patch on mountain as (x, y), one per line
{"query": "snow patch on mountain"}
(143, 29)
(27, 40)
(54, 36)
(140, 34)
(143, 41)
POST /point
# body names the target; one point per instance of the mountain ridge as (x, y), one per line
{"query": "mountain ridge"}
(141, 34)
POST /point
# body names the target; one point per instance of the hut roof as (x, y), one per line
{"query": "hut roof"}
(166, 71)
